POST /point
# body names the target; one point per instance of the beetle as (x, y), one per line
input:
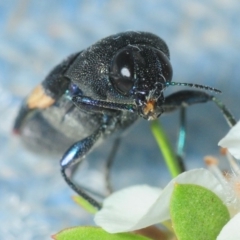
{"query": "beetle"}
(100, 91)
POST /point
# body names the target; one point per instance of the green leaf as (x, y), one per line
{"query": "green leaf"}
(93, 233)
(197, 213)
(84, 204)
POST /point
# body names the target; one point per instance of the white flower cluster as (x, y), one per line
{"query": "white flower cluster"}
(140, 206)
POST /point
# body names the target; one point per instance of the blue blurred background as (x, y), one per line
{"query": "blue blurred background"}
(204, 41)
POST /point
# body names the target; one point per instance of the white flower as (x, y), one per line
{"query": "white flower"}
(232, 141)
(231, 230)
(141, 206)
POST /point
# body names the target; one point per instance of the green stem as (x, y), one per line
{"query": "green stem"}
(166, 148)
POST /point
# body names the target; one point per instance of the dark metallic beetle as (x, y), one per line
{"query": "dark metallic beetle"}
(99, 91)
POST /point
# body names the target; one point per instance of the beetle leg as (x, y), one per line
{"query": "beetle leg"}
(99, 105)
(187, 98)
(109, 163)
(181, 139)
(182, 99)
(74, 155)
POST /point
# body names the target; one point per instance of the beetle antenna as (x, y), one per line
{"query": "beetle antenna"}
(167, 84)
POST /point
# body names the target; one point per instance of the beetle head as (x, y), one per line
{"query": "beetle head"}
(140, 72)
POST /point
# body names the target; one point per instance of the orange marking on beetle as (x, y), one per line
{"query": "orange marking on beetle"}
(149, 107)
(39, 99)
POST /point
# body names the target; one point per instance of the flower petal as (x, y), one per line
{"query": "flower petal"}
(141, 206)
(201, 177)
(123, 209)
(231, 230)
(232, 141)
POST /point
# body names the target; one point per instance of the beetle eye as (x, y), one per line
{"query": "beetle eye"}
(122, 71)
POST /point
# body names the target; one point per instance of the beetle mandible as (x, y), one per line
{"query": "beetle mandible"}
(99, 91)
